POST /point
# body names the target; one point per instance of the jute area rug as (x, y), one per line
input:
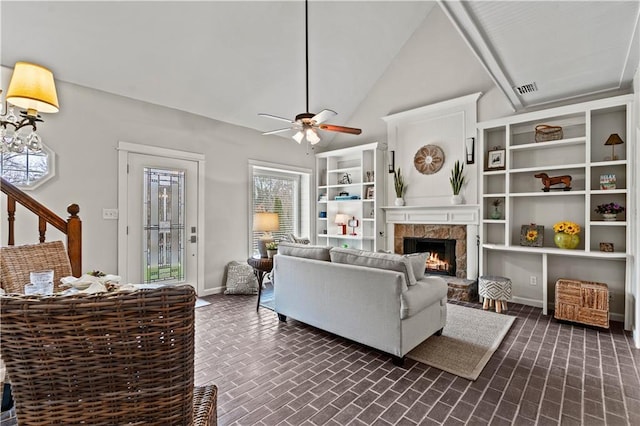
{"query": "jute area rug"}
(468, 340)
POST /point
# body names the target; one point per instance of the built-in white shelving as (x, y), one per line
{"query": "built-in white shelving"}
(355, 171)
(580, 153)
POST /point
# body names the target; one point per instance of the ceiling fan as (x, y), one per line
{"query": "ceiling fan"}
(307, 124)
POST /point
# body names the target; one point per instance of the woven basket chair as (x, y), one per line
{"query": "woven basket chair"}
(116, 358)
(16, 262)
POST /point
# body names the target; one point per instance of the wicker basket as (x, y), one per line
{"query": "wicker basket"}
(545, 133)
(585, 302)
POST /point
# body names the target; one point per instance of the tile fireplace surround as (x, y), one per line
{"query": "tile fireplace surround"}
(459, 222)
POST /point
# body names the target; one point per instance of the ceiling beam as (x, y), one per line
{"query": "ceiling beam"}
(461, 19)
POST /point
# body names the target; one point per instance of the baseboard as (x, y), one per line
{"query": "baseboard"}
(526, 301)
(210, 291)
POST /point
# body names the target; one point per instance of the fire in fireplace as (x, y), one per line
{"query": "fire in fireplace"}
(442, 253)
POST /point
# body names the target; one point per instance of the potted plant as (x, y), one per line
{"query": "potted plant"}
(400, 187)
(457, 179)
(272, 249)
(609, 211)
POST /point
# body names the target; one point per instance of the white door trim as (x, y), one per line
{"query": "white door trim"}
(124, 149)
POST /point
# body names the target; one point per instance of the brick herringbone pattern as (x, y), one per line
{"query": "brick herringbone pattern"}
(544, 372)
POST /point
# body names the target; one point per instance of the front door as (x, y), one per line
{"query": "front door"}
(162, 220)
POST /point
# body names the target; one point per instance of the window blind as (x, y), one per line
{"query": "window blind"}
(276, 191)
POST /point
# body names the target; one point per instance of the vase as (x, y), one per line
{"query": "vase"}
(456, 199)
(399, 201)
(566, 241)
(271, 253)
(495, 214)
(609, 217)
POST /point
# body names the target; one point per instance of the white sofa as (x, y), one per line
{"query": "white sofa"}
(383, 305)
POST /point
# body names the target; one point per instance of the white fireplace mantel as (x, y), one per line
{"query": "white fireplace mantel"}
(461, 214)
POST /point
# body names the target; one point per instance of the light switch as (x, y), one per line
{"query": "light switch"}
(110, 214)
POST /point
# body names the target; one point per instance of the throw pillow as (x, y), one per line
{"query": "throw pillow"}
(418, 263)
(241, 279)
(293, 239)
(389, 261)
(304, 250)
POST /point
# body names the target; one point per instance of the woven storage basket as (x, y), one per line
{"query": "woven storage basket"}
(585, 302)
(545, 133)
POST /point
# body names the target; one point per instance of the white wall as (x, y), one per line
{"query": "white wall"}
(434, 65)
(85, 134)
(444, 124)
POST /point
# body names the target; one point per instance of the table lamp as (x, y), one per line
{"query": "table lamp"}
(265, 222)
(341, 220)
(614, 140)
(353, 224)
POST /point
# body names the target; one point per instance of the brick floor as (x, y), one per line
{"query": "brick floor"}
(544, 372)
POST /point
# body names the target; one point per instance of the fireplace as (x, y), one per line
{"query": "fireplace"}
(442, 257)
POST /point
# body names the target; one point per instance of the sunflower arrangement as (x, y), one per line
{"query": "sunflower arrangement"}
(566, 227)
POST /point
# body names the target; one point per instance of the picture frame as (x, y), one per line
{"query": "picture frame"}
(496, 159)
(532, 235)
(371, 193)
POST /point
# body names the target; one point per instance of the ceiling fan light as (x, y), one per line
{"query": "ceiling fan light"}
(312, 136)
(298, 136)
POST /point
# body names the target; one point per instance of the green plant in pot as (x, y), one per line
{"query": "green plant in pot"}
(272, 248)
(400, 187)
(457, 180)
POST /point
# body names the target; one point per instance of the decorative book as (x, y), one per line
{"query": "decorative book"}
(608, 181)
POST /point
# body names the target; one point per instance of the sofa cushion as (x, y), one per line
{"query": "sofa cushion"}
(304, 250)
(418, 263)
(388, 261)
(424, 293)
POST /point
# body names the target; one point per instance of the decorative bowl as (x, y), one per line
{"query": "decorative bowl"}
(81, 285)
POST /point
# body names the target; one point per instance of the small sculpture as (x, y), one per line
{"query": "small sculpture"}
(346, 179)
(555, 180)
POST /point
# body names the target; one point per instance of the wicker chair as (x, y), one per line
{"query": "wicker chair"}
(104, 359)
(16, 262)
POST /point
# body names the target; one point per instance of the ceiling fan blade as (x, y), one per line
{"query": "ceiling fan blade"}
(273, 132)
(275, 116)
(323, 116)
(341, 129)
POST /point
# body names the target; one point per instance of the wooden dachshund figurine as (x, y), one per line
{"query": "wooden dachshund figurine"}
(555, 180)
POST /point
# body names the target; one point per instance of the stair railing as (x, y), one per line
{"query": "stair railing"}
(72, 227)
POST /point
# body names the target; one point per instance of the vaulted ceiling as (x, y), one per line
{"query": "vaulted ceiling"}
(230, 60)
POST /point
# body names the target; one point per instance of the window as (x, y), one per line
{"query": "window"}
(27, 170)
(164, 225)
(282, 190)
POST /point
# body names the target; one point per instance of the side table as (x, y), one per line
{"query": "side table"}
(261, 267)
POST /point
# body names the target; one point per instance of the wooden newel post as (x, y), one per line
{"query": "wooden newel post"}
(11, 217)
(74, 239)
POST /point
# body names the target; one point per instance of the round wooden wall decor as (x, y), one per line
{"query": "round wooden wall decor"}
(429, 159)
